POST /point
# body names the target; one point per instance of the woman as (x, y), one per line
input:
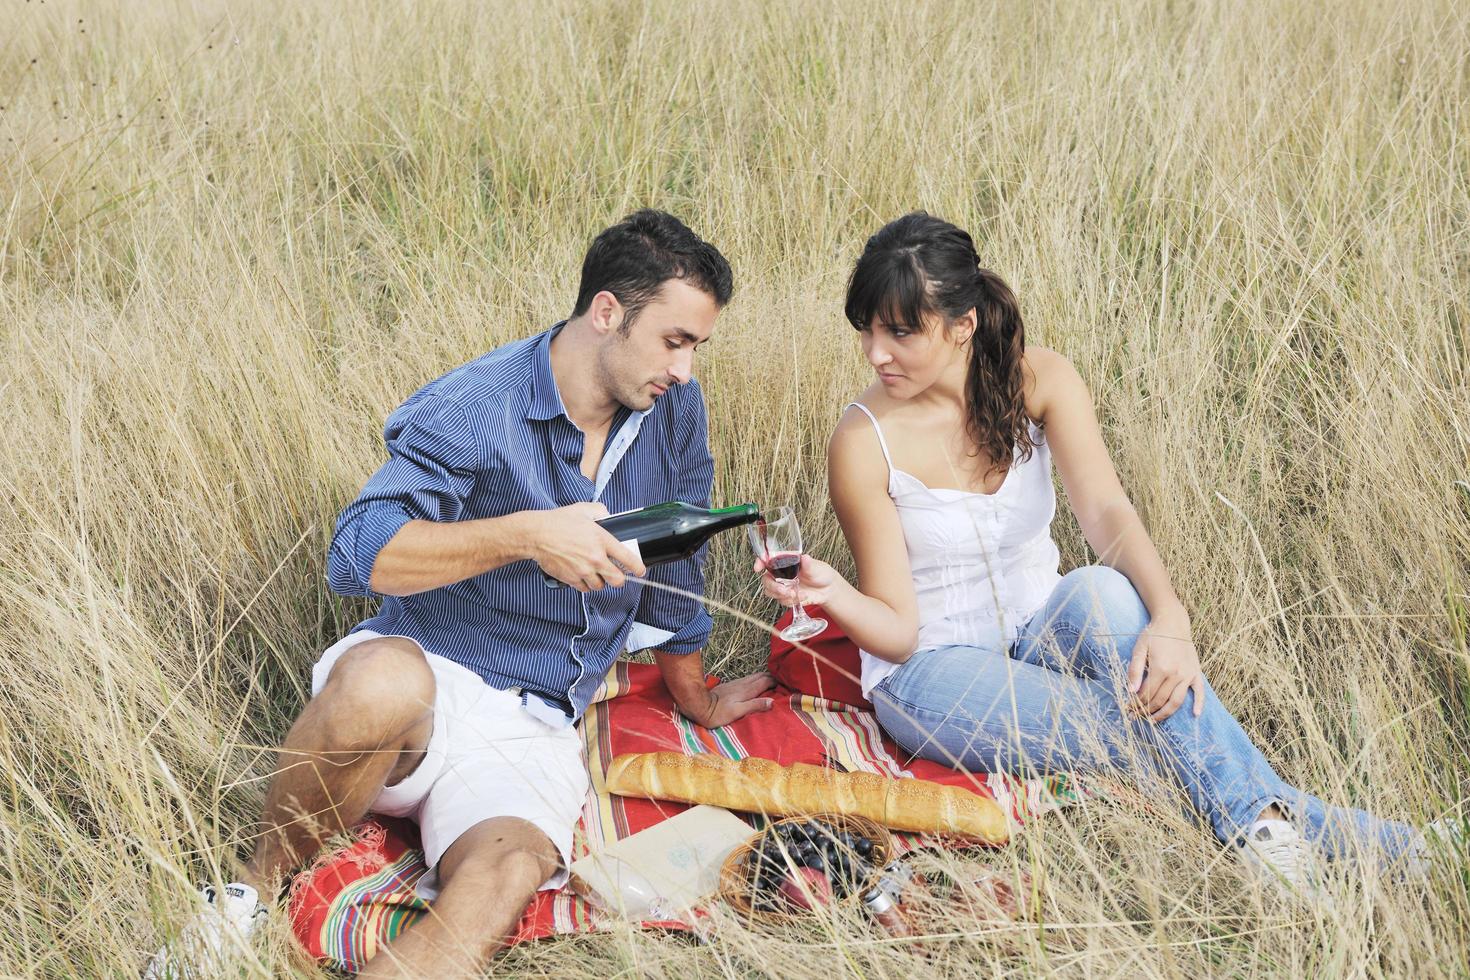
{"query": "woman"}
(976, 652)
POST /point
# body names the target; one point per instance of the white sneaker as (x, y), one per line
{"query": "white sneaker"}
(213, 938)
(1273, 851)
(1443, 843)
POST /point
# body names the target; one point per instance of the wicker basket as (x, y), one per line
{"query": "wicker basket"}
(737, 875)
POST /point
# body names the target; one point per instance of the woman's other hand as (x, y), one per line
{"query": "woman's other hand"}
(816, 582)
(1165, 668)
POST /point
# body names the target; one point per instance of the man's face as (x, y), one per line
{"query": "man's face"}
(657, 351)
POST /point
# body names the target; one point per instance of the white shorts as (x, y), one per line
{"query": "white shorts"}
(486, 758)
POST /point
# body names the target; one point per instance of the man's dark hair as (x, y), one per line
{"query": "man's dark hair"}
(636, 256)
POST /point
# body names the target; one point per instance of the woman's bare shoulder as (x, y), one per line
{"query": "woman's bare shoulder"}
(1047, 374)
(1042, 364)
(854, 440)
(874, 399)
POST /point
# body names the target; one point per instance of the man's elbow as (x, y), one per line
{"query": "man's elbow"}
(385, 579)
(381, 584)
(343, 577)
(383, 568)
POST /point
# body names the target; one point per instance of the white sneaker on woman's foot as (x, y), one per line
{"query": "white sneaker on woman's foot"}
(212, 939)
(1444, 844)
(1273, 851)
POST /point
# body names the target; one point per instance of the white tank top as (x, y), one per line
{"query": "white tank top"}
(982, 563)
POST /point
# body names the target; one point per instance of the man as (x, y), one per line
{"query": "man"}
(454, 704)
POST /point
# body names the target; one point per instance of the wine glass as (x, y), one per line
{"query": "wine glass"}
(776, 540)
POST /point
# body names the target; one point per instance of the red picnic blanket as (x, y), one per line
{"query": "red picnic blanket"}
(358, 897)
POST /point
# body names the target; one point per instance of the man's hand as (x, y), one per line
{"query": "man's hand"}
(1164, 669)
(569, 546)
(733, 700)
(711, 707)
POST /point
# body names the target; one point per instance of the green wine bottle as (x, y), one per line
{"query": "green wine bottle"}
(670, 531)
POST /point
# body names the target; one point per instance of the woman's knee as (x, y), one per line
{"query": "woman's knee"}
(1096, 595)
(1093, 618)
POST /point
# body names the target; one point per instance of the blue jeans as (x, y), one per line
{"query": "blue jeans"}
(1053, 701)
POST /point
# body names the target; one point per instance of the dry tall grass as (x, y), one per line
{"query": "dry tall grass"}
(235, 236)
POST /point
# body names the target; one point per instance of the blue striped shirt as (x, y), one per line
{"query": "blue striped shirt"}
(491, 438)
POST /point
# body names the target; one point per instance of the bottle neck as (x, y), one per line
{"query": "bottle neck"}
(735, 516)
(878, 901)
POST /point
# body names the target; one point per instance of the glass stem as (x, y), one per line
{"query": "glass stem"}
(798, 612)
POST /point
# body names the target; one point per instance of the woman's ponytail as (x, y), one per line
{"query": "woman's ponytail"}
(995, 404)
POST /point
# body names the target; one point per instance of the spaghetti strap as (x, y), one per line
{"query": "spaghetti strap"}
(882, 443)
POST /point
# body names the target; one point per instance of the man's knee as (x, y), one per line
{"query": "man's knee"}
(504, 855)
(380, 689)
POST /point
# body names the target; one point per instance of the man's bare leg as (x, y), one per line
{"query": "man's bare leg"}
(487, 878)
(369, 727)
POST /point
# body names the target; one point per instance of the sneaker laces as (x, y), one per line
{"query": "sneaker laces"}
(202, 946)
(1275, 852)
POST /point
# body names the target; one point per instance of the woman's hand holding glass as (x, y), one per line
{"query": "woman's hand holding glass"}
(815, 582)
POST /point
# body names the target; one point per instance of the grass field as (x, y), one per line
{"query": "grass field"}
(234, 236)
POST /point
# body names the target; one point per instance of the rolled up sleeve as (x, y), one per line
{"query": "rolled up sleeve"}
(684, 617)
(432, 461)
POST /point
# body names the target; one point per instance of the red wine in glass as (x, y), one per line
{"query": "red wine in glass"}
(776, 541)
(784, 566)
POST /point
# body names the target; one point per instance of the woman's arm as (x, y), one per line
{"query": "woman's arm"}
(881, 614)
(1112, 527)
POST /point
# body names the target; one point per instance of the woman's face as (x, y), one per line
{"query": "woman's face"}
(908, 360)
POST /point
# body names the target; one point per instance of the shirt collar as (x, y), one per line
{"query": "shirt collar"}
(545, 398)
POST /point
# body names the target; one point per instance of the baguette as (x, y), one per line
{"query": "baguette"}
(763, 786)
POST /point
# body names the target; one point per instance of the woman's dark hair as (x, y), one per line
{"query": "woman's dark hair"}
(636, 256)
(920, 265)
